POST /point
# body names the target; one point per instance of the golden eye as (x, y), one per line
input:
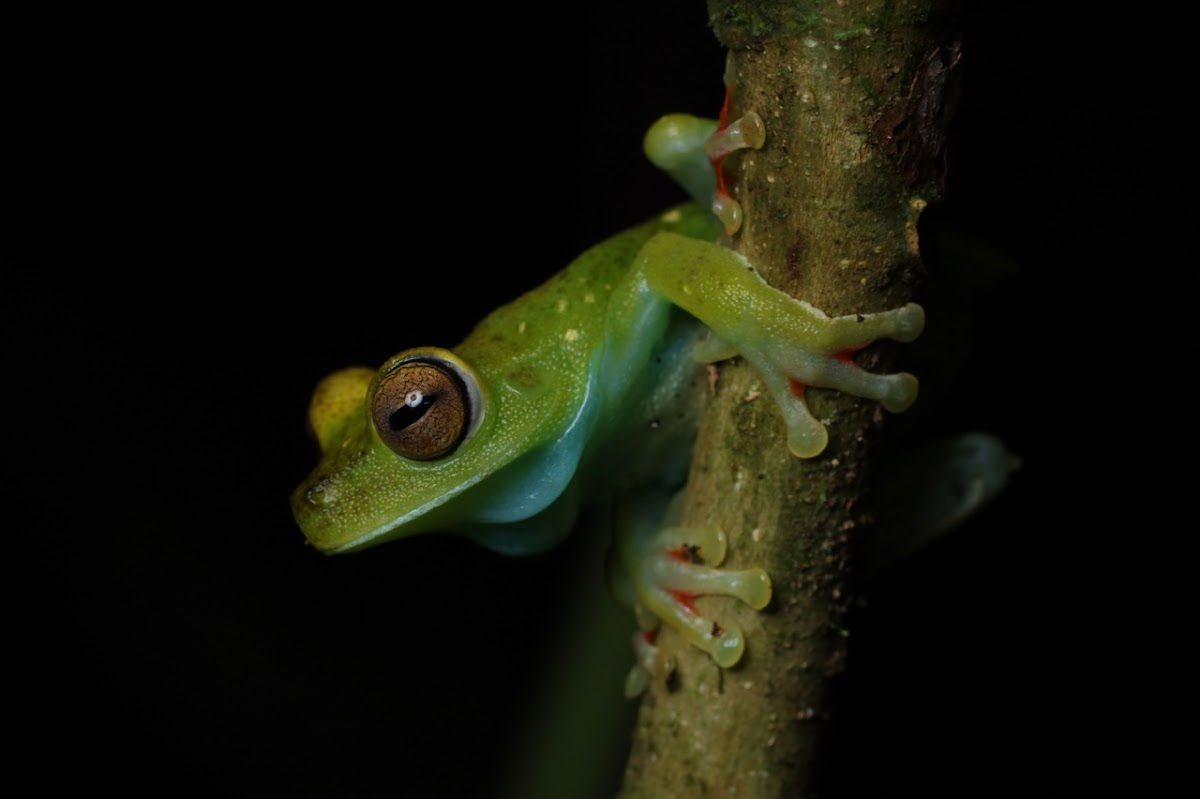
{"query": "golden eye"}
(422, 407)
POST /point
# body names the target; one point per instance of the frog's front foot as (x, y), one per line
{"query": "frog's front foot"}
(818, 351)
(663, 569)
(790, 343)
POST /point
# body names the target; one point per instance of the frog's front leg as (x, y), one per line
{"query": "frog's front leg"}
(790, 343)
(660, 568)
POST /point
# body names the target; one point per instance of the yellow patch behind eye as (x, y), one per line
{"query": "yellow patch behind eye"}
(334, 400)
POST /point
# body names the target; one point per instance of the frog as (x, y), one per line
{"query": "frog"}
(583, 391)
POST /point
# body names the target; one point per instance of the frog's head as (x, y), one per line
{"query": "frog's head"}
(399, 444)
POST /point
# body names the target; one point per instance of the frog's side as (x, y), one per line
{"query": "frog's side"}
(580, 389)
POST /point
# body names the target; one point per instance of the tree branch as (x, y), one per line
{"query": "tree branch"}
(855, 102)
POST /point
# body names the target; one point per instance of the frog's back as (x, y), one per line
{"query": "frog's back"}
(558, 326)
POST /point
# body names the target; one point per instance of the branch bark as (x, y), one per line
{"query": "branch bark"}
(855, 98)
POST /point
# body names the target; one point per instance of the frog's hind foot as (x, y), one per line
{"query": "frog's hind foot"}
(747, 132)
(690, 149)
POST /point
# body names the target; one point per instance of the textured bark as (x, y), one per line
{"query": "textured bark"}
(855, 97)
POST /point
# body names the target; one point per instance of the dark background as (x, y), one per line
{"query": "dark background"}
(213, 214)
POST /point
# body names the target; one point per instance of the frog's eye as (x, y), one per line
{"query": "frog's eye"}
(425, 406)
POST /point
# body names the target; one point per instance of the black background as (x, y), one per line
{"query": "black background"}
(214, 212)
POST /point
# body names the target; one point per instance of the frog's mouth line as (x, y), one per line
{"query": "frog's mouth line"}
(368, 538)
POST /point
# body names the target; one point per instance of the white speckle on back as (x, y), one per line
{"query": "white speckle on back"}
(571, 334)
(671, 217)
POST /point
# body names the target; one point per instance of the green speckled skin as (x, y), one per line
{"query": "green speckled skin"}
(586, 387)
(534, 359)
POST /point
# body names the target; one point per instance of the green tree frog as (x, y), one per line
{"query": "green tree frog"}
(584, 389)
